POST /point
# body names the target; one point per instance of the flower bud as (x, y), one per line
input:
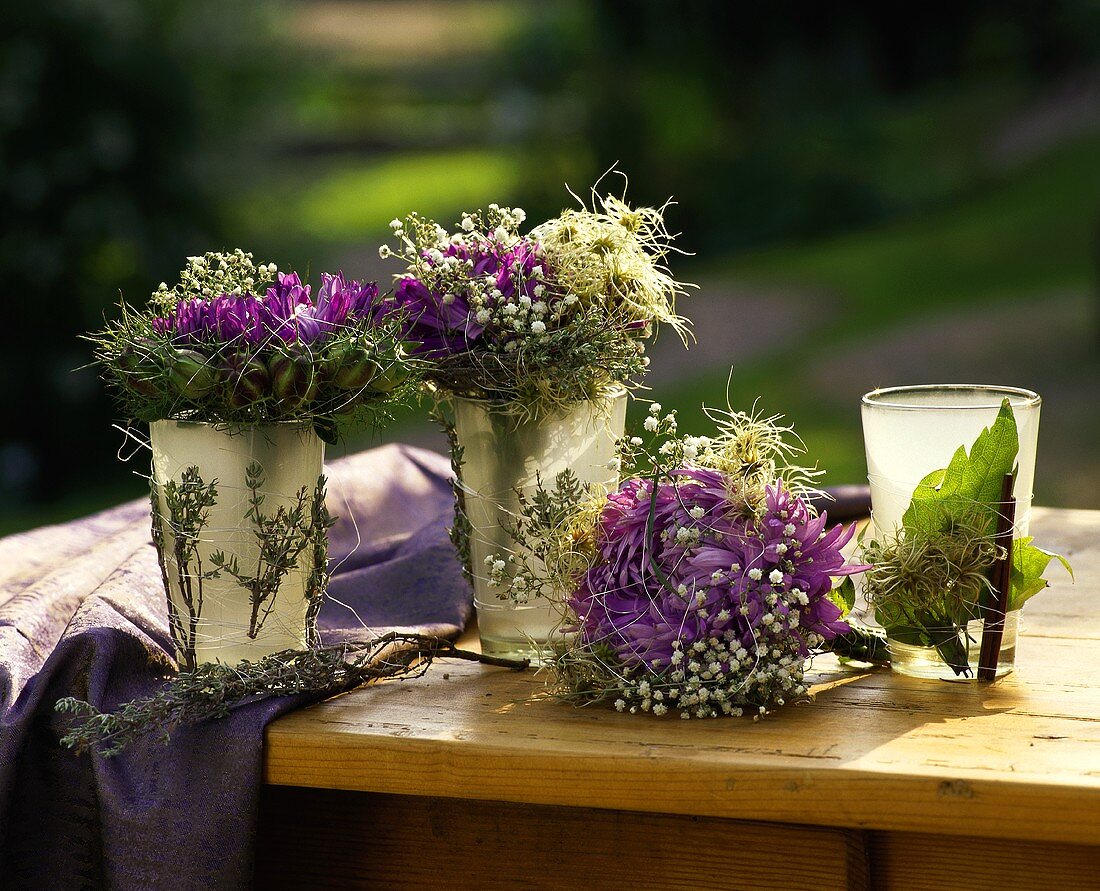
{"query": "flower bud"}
(294, 380)
(391, 374)
(190, 374)
(247, 382)
(355, 370)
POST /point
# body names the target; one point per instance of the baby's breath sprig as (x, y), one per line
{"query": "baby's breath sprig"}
(214, 273)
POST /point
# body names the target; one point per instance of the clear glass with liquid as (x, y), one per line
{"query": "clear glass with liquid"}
(910, 432)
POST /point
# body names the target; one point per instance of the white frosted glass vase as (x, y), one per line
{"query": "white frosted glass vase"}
(501, 456)
(239, 524)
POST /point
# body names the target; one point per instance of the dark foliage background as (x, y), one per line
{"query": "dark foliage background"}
(871, 196)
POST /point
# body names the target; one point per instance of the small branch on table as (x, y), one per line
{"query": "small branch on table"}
(214, 690)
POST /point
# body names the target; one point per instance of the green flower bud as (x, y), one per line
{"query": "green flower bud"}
(191, 375)
(390, 376)
(139, 373)
(356, 369)
(247, 382)
(294, 380)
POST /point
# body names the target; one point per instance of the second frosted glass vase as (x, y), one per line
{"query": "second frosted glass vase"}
(502, 456)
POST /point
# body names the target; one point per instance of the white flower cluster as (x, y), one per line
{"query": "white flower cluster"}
(634, 451)
(517, 584)
(522, 306)
(214, 274)
(717, 677)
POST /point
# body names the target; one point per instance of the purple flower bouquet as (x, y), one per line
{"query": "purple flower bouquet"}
(241, 373)
(540, 321)
(702, 585)
(240, 343)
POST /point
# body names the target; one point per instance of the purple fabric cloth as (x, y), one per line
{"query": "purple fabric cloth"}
(82, 613)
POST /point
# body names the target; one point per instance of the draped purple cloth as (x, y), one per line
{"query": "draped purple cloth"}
(82, 614)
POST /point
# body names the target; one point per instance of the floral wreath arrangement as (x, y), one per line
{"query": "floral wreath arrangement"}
(953, 561)
(540, 321)
(701, 586)
(235, 342)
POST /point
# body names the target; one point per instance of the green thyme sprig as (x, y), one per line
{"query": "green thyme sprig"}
(284, 538)
(180, 513)
(214, 690)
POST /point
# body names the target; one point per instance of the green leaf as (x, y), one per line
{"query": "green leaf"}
(969, 480)
(844, 595)
(923, 628)
(860, 644)
(1029, 563)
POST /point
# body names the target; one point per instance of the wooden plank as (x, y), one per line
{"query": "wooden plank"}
(1066, 609)
(327, 839)
(1016, 759)
(903, 862)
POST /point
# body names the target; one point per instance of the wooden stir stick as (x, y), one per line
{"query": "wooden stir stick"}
(993, 633)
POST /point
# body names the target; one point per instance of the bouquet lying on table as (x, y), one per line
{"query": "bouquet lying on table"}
(702, 585)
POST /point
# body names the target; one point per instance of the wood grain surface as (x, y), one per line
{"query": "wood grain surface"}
(328, 839)
(1016, 759)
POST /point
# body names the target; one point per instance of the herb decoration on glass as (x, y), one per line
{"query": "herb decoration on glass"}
(952, 561)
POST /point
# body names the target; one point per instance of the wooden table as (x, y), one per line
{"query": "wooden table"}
(466, 778)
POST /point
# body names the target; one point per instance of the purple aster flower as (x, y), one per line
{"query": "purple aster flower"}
(288, 303)
(224, 319)
(437, 325)
(339, 302)
(708, 568)
(443, 323)
(286, 312)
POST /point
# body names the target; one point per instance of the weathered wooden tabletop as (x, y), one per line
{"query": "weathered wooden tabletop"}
(1017, 759)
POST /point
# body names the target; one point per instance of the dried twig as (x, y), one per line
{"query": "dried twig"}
(214, 690)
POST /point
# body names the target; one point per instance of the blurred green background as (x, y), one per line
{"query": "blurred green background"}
(871, 199)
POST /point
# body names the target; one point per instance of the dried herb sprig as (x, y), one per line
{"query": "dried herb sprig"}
(179, 526)
(944, 573)
(927, 585)
(281, 538)
(459, 532)
(214, 690)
